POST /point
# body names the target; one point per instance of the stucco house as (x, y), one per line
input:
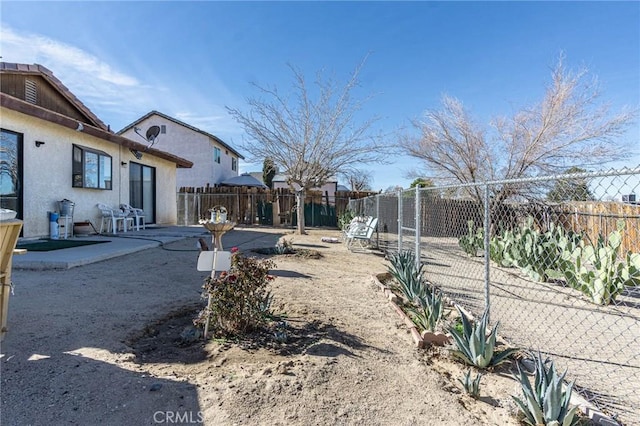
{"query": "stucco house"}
(54, 148)
(213, 160)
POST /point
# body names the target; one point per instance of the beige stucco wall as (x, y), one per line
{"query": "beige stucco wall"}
(329, 188)
(190, 145)
(47, 174)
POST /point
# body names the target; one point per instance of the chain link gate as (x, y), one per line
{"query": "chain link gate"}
(556, 260)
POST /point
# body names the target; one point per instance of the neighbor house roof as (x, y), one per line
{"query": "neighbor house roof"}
(44, 72)
(283, 178)
(181, 123)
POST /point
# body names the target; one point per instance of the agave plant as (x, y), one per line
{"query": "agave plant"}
(428, 310)
(402, 264)
(545, 403)
(471, 386)
(408, 275)
(474, 346)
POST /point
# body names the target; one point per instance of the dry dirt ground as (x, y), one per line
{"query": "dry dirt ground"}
(100, 344)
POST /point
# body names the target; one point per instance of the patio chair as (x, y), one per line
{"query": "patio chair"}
(111, 217)
(353, 224)
(135, 213)
(361, 232)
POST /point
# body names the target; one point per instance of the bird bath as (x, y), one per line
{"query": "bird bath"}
(217, 229)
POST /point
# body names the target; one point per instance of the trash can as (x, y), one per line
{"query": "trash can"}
(53, 226)
(66, 207)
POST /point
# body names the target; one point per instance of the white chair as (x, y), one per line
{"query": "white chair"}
(361, 231)
(111, 218)
(353, 224)
(134, 213)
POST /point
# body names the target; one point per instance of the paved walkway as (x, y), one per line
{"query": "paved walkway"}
(119, 245)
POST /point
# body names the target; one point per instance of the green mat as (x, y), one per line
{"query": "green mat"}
(49, 245)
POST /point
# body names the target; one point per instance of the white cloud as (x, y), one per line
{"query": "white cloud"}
(34, 48)
(111, 94)
(114, 96)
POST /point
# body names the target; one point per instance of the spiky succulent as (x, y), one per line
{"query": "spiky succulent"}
(428, 310)
(474, 346)
(471, 386)
(408, 275)
(545, 403)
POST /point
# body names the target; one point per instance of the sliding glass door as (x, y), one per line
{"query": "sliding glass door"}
(142, 190)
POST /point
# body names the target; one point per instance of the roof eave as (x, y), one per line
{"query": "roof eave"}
(47, 74)
(23, 107)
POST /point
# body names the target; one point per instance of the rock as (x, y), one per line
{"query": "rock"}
(190, 334)
(155, 387)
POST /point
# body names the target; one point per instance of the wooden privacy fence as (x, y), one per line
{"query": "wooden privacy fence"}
(601, 218)
(442, 217)
(250, 205)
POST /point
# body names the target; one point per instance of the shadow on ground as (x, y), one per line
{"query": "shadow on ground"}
(162, 341)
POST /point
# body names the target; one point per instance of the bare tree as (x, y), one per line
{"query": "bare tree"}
(358, 180)
(569, 127)
(8, 163)
(309, 138)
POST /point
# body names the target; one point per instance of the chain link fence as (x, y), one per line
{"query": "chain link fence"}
(556, 260)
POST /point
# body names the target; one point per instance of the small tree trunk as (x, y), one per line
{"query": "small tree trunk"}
(300, 200)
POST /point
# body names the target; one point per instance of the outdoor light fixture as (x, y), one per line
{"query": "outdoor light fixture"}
(136, 153)
(38, 143)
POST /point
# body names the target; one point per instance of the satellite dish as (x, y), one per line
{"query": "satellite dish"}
(152, 134)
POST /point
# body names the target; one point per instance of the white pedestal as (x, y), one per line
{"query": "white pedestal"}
(65, 226)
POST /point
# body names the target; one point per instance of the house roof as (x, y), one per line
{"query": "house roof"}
(283, 178)
(244, 179)
(44, 72)
(18, 105)
(181, 123)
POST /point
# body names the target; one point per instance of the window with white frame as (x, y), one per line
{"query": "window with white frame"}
(216, 155)
(234, 164)
(91, 168)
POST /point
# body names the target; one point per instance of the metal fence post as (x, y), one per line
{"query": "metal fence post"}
(487, 260)
(399, 221)
(417, 222)
(377, 198)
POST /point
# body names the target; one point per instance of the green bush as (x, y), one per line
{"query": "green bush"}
(239, 299)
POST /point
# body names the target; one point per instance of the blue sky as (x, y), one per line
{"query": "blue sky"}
(191, 59)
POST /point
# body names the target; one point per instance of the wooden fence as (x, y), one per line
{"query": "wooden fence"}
(448, 218)
(602, 218)
(249, 205)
